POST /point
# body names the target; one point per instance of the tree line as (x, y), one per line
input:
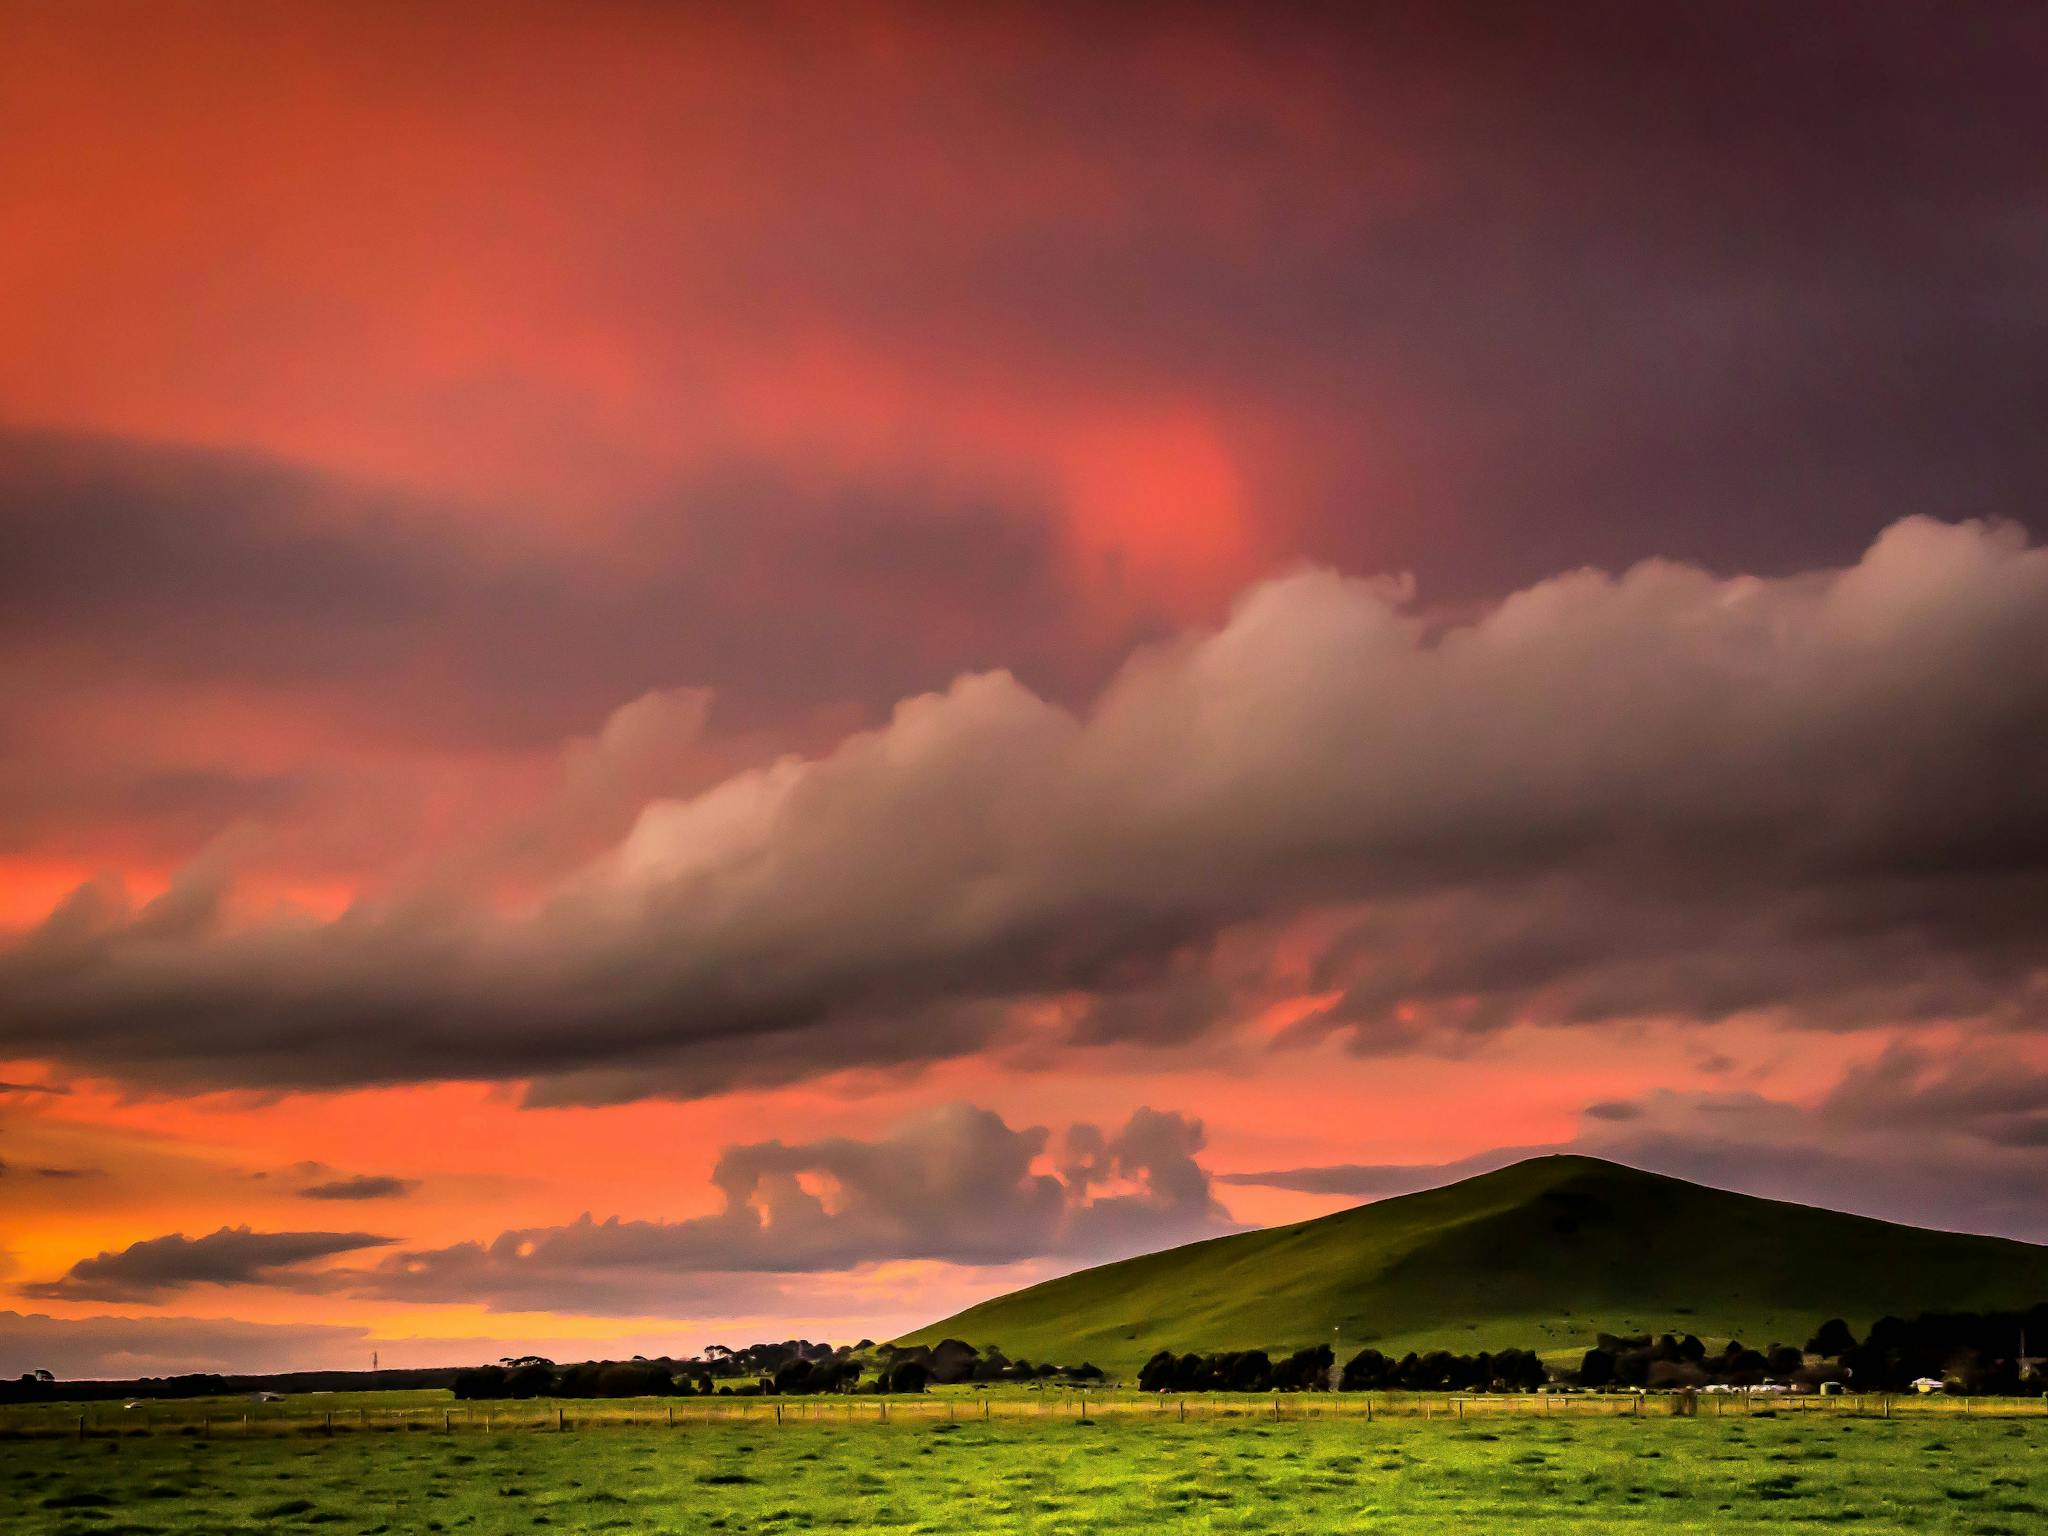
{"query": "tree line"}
(1980, 1353)
(1968, 1352)
(1311, 1370)
(793, 1368)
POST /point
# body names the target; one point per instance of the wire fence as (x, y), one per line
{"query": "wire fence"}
(309, 1415)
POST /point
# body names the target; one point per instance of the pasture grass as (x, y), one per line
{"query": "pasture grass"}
(1114, 1473)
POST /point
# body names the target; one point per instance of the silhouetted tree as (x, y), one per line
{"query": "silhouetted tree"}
(1832, 1340)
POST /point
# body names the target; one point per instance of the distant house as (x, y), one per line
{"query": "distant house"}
(269, 1397)
(1925, 1384)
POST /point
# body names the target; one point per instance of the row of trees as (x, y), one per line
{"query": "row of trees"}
(793, 1368)
(1668, 1362)
(1237, 1370)
(1974, 1352)
(952, 1362)
(1310, 1370)
(1511, 1370)
(1969, 1352)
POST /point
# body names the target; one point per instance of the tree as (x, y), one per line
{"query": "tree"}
(1368, 1371)
(1597, 1369)
(1305, 1369)
(1833, 1340)
(1158, 1373)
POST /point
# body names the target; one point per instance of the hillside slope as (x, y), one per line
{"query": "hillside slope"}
(1543, 1255)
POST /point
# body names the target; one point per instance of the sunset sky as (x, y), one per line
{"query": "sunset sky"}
(683, 673)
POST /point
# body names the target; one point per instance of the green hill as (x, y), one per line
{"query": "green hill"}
(1540, 1255)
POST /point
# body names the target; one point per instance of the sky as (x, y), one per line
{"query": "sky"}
(672, 674)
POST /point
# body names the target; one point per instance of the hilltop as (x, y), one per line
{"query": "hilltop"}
(1542, 1255)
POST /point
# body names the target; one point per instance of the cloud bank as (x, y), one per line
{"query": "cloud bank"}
(156, 1267)
(1662, 792)
(955, 1185)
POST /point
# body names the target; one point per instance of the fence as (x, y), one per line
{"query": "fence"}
(226, 1418)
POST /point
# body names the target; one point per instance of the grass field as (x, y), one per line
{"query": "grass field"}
(1541, 1255)
(1129, 1465)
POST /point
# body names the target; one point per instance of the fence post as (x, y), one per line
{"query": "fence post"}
(81, 1426)
(1183, 1410)
(1461, 1410)
(778, 1415)
(446, 1425)
(561, 1420)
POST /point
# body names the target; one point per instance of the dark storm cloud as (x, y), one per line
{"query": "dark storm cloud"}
(1736, 284)
(1608, 797)
(1467, 293)
(1485, 294)
(1985, 1096)
(784, 590)
(362, 1186)
(955, 1184)
(149, 1270)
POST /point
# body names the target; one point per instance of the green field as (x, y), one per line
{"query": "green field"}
(1542, 1255)
(1134, 1468)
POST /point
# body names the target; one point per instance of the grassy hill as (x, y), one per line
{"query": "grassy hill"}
(1540, 1255)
